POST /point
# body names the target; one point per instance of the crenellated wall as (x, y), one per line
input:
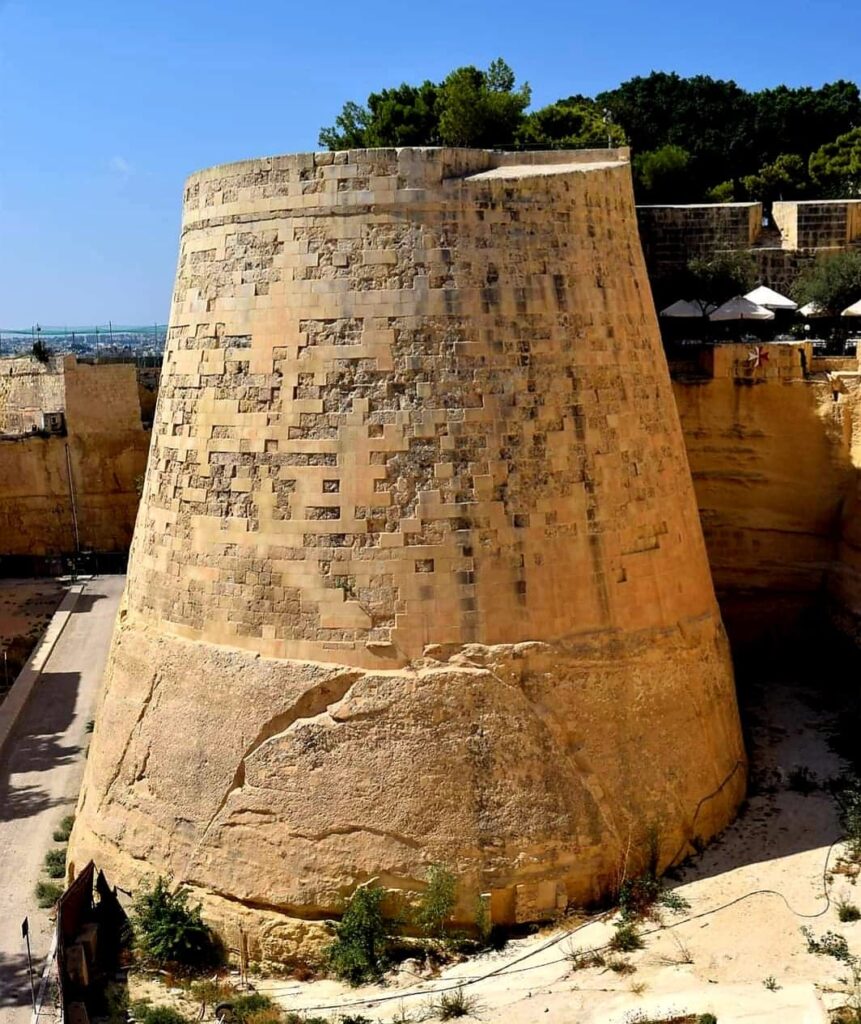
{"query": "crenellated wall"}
(418, 575)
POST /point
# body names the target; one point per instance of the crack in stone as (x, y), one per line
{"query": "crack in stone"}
(310, 704)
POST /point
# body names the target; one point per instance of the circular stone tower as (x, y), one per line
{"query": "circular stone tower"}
(418, 574)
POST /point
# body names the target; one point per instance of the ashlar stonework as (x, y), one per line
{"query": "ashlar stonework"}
(418, 574)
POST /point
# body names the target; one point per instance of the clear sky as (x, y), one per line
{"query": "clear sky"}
(105, 107)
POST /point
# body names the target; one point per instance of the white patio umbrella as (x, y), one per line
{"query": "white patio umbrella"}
(853, 310)
(740, 308)
(684, 310)
(770, 299)
(811, 309)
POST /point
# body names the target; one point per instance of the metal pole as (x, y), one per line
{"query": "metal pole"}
(72, 500)
(25, 931)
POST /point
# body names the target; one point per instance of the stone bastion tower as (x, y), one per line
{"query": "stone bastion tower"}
(418, 575)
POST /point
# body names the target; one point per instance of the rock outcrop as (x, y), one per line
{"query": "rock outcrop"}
(418, 574)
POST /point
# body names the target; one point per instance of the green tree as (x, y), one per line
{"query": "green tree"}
(832, 282)
(661, 175)
(437, 902)
(786, 178)
(573, 123)
(358, 951)
(403, 116)
(709, 118)
(168, 929)
(470, 108)
(724, 192)
(801, 120)
(481, 108)
(836, 166)
(710, 281)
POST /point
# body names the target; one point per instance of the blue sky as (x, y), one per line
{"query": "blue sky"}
(105, 107)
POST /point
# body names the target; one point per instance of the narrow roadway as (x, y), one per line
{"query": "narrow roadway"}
(40, 774)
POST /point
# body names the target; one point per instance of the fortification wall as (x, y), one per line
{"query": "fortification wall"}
(772, 451)
(672, 235)
(27, 389)
(418, 574)
(104, 445)
(818, 224)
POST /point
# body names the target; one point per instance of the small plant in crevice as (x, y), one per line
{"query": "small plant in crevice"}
(638, 898)
(454, 1004)
(626, 938)
(359, 950)
(582, 959)
(847, 912)
(829, 944)
(618, 965)
(771, 983)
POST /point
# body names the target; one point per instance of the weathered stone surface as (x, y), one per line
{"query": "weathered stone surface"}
(418, 574)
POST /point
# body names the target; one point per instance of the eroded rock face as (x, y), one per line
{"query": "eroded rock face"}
(418, 575)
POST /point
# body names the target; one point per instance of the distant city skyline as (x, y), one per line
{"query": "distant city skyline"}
(106, 109)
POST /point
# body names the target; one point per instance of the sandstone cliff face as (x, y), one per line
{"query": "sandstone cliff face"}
(418, 574)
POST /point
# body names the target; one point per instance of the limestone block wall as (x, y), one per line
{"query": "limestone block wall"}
(418, 574)
(28, 388)
(672, 235)
(818, 224)
(105, 446)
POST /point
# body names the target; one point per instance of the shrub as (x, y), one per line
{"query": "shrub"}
(62, 833)
(456, 1003)
(47, 894)
(802, 780)
(771, 983)
(831, 944)
(483, 922)
(847, 911)
(168, 930)
(361, 938)
(626, 938)
(849, 807)
(619, 966)
(437, 902)
(55, 863)
(255, 1008)
(144, 1013)
(637, 897)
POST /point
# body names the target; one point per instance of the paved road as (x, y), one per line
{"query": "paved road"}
(40, 774)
